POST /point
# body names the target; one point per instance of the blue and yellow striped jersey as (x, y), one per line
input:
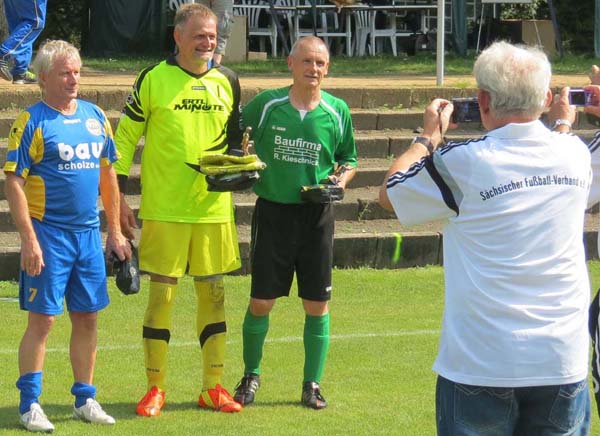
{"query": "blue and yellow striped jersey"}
(60, 156)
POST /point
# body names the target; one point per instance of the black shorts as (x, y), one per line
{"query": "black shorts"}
(288, 238)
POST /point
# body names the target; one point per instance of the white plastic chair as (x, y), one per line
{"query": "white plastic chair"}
(321, 26)
(364, 20)
(253, 10)
(327, 27)
(288, 15)
(362, 29)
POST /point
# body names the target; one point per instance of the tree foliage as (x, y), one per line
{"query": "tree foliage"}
(575, 19)
(65, 19)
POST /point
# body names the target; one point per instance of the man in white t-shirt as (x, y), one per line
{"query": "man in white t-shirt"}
(513, 353)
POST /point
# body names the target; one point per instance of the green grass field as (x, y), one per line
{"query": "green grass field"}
(378, 380)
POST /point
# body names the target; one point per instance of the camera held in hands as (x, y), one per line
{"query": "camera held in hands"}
(580, 97)
(466, 110)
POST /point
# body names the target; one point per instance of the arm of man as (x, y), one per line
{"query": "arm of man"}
(436, 121)
(234, 128)
(109, 191)
(32, 260)
(129, 131)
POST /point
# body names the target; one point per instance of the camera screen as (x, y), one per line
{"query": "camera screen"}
(578, 97)
(466, 110)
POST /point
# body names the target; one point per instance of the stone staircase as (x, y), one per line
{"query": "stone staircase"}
(366, 234)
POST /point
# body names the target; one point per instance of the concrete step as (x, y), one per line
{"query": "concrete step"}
(375, 244)
(357, 244)
(113, 97)
(370, 172)
(368, 95)
(376, 119)
(384, 143)
(358, 204)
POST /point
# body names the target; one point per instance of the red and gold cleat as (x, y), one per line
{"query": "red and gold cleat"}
(219, 400)
(152, 403)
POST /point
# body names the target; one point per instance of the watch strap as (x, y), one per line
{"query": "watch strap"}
(424, 141)
(562, 122)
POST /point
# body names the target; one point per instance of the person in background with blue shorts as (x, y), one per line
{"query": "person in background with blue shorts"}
(60, 150)
(26, 20)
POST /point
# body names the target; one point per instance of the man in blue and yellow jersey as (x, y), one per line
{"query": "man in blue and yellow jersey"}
(187, 107)
(59, 151)
(304, 135)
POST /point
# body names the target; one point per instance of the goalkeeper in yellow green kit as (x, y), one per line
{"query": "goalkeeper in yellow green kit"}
(186, 107)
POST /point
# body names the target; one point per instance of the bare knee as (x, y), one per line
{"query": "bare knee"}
(84, 320)
(39, 324)
(315, 308)
(259, 307)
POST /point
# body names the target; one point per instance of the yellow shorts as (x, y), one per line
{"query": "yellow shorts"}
(204, 249)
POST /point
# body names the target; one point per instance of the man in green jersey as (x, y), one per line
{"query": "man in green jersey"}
(304, 135)
(186, 107)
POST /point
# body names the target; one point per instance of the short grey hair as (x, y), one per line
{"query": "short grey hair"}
(52, 50)
(188, 10)
(516, 77)
(307, 40)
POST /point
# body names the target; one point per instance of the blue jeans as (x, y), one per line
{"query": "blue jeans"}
(465, 410)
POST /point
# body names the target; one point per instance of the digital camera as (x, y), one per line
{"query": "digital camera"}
(580, 97)
(466, 110)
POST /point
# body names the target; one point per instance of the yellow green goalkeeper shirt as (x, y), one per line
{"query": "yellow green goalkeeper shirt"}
(182, 116)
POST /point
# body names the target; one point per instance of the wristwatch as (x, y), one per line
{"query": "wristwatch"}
(424, 141)
(562, 122)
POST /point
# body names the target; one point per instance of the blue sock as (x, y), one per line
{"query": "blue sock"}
(30, 385)
(82, 392)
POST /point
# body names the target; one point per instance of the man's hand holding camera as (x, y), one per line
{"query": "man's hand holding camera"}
(436, 121)
(562, 113)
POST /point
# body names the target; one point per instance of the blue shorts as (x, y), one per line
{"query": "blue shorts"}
(74, 271)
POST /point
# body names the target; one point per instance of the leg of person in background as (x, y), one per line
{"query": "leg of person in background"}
(26, 21)
(224, 11)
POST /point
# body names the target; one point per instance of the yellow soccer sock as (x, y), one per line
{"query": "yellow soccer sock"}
(156, 334)
(211, 329)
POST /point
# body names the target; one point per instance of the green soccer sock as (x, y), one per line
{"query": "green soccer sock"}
(316, 344)
(254, 333)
